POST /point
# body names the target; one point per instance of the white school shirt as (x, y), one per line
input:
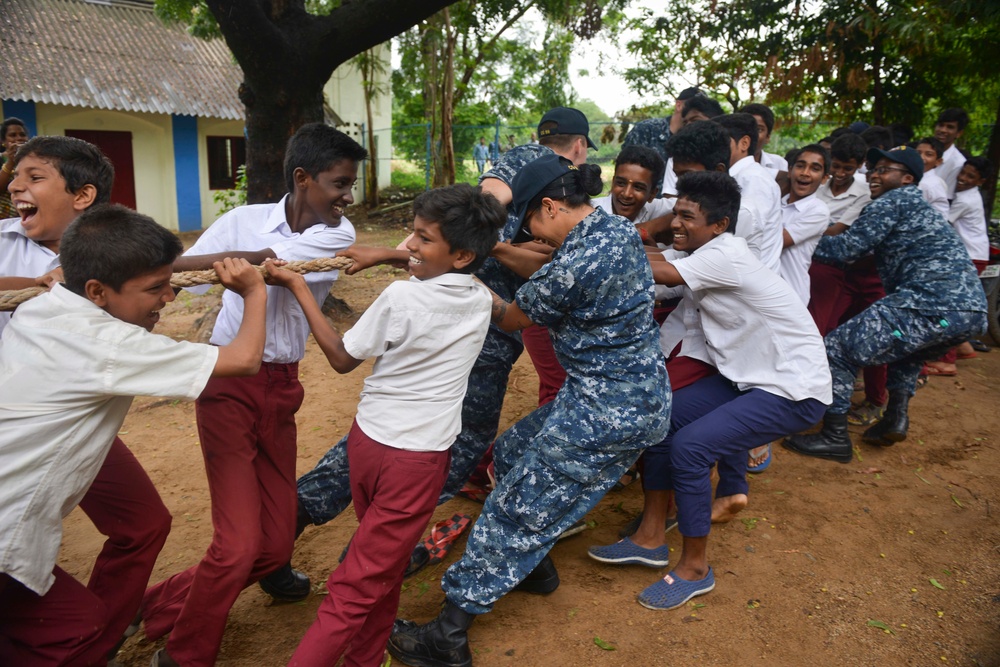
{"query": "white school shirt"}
(845, 207)
(260, 226)
(757, 331)
(805, 221)
(968, 217)
(773, 163)
(654, 209)
(68, 372)
(760, 204)
(951, 163)
(935, 192)
(427, 335)
(669, 180)
(21, 257)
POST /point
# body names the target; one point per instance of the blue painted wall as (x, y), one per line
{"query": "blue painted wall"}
(185, 130)
(23, 110)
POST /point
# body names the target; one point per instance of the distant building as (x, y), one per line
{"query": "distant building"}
(162, 104)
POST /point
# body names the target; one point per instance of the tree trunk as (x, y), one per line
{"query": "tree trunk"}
(431, 42)
(447, 103)
(371, 189)
(287, 55)
(275, 110)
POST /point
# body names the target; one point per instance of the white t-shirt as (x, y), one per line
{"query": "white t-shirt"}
(655, 209)
(845, 207)
(68, 372)
(758, 333)
(773, 163)
(759, 220)
(951, 163)
(427, 335)
(805, 221)
(21, 257)
(968, 217)
(260, 226)
(935, 192)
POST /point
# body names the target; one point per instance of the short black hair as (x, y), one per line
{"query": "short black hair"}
(954, 115)
(901, 133)
(702, 142)
(982, 164)
(645, 157)
(763, 111)
(839, 131)
(849, 146)
(7, 122)
(114, 244)
(79, 162)
(740, 125)
(316, 147)
(812, 148)
(704, 104)
(934, 143)
(469, 218)
(716, 192)
(877, 136)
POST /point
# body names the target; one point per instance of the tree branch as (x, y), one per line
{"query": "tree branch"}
(470, 69)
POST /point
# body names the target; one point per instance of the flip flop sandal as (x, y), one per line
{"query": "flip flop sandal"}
(765, 461)
(970, 355)
(979, 346)
(443, 536)
(932, 370)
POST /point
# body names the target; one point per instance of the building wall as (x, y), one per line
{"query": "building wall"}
(212, 127)
(152, 151)
(344, 94)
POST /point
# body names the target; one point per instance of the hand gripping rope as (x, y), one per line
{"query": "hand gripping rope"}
(11, 299)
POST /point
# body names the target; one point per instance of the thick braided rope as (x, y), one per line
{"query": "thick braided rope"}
(11, 299)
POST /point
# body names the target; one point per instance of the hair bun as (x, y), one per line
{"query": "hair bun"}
(590, 179)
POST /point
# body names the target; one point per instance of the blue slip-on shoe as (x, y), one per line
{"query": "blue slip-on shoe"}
(763, 465)
(672, 591)
(627, 552)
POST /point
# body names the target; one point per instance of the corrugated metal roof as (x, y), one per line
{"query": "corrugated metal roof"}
(119, 57)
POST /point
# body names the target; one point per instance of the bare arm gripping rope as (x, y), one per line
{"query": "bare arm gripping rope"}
(11, 299)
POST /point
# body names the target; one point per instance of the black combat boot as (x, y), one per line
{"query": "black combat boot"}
(542, 580)
(892, 427)
(286, 584)
(832, 442)
(441, 643)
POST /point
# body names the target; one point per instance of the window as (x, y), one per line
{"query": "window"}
(225, 156)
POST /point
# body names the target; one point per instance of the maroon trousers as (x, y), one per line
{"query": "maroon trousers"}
(395, 492)
(836, 296)
(247, 431)
(76, 625)
(551, 374)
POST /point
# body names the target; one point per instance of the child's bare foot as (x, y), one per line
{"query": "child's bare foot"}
(726, 508)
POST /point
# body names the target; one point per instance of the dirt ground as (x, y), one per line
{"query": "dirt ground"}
(893, 559)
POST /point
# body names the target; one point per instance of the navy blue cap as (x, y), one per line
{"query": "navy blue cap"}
(532, 179)
(858, 126)
(567, 121)
(904, 155)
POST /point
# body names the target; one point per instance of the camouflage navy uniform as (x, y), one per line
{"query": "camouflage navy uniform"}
(554, 465)
(325, 491)
(934, 300)
(651, 133)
